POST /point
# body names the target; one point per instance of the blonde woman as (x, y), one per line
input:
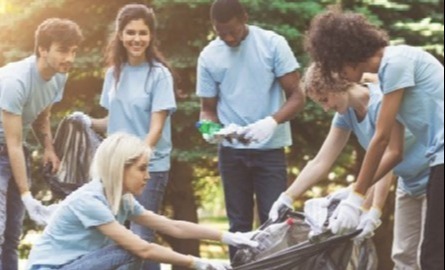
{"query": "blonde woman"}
(87, 231)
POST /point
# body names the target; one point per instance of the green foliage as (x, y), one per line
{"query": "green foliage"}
(184, 29)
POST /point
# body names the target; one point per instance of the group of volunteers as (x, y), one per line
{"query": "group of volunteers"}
(246, 77)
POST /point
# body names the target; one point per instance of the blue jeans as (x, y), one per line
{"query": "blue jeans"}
(108, 258)
(247, 173)
(151, 198)
(431, 256)
(12, 212)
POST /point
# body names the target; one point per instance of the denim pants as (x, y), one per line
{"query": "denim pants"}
(432, 253)
(249, 174)
(12, 212)
(151, 198)
(409, 217)
(108, 258)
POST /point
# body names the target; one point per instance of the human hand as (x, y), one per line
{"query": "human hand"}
(39, 213)
(338, 195)
(50, 158)
(203, 264)
(260, 130)
(82, 117)
(284, 201)
(239, 239)
(347, 215)
(369, 222)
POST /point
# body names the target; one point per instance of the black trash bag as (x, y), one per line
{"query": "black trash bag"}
(75, 145)
(297, 252)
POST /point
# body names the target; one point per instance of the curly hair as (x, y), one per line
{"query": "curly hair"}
(337, 38)
(315, 83)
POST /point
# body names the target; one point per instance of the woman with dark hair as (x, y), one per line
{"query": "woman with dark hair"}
(138, 93)
(412, 82)
(87, 232)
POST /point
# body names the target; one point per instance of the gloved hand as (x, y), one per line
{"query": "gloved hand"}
(82, 117)
(260, 130)
(239, 239)
(212, 139)
(37, 212)
(203, 264)
(283, 201)
(339, 195)
(369, 222)
(347, 215)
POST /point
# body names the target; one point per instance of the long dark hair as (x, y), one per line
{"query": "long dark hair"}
(116, 54)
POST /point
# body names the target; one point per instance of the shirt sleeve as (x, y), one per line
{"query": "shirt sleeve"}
(397, 74)
(106, 89)
(12, 95)
(341, 121)
(163, 94)
(91, 211)
(206, 86)
(284, 59)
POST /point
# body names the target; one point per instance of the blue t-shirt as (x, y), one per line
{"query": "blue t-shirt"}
(413, 171)
(421, 111)
(72, 231)
(24, 92)
(141, 91)
(245, 81)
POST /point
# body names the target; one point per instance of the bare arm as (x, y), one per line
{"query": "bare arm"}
(156, 127)
(320, 165)
(142, 249)
(295, 97)
(99, 124)
(177, 228)
(42, 129)
(379, 142)
(208, 109)
(392, 155)
(12, 125)
(378, 193)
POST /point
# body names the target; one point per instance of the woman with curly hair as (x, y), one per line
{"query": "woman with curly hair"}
(412, 82)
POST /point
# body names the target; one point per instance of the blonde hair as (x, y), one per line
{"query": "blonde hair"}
(315, 83)
(113, 155)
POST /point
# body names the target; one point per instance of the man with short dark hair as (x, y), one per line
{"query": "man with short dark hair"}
(28, 88)
(248, 77)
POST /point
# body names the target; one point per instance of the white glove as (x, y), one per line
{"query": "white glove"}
(202, 264)
(369, 222)
(239, 239)
(283, 201)
(339, 195)
(36, 211)
(347, 215)
(260, 130)
(212, 139)
(84, 118)
(316, 213)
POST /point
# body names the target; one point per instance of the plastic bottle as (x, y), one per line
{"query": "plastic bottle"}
(208, 127)
(273, 235)
(270, 239)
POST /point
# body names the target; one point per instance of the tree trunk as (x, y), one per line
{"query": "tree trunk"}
(180, 197)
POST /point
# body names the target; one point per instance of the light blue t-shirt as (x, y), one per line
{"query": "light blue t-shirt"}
(24, 92)
(141, 91)
(421, 111)
(414, 170)
(72, 231)
(245, 81)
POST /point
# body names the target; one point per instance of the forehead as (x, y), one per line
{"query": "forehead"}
(136, 24)
(227, 26)
(62, 45)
